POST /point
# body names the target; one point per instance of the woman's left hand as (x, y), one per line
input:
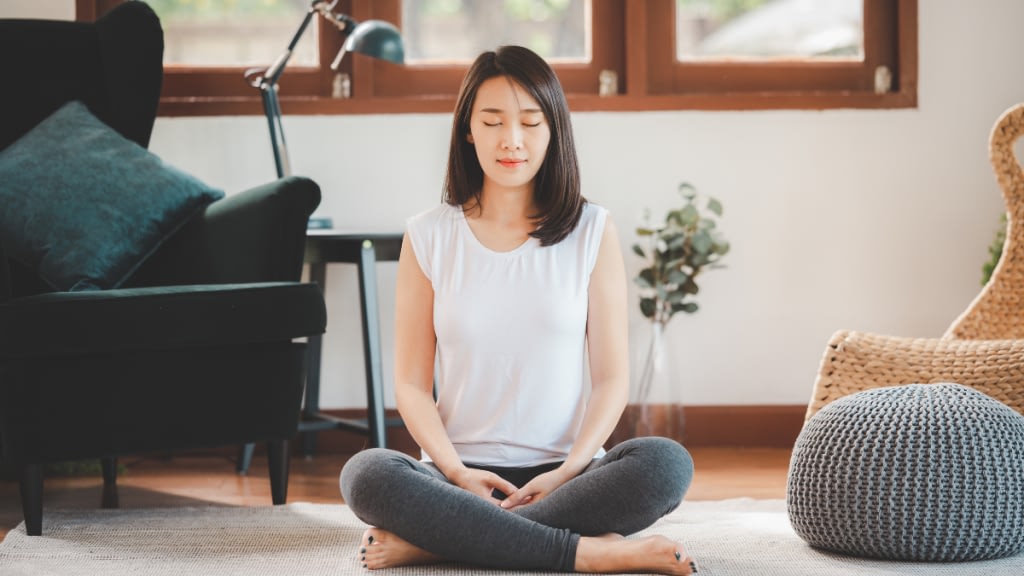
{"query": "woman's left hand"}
(536, 490)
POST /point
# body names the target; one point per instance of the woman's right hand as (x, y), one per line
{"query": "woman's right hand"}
(482, 483)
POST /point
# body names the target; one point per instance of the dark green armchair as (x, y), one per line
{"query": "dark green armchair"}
(196, 341)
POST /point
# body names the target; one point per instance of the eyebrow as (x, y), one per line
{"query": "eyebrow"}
(500, 111)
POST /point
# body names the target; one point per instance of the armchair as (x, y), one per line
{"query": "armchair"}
(982, 349)
(192, 344)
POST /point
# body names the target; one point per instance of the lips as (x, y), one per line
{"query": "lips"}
(511, 162)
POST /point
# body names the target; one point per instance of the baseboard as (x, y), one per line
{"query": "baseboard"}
(740, 426)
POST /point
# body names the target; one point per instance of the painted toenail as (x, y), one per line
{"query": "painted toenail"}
(370, 539)
(679, 556)
(362, 550)
(693, 567)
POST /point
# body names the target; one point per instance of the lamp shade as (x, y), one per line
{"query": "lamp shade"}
(378, 39)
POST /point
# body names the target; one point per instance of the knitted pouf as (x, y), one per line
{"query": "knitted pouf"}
(922, 472)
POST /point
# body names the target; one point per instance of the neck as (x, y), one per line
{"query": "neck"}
(505, 204)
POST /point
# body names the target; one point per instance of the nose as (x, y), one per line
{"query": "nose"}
(512, 137)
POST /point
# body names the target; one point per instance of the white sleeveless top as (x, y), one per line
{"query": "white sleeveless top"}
(511, 337)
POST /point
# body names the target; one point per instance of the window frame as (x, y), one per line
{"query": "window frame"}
(649, 77)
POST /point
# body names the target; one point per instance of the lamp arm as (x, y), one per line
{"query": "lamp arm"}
(343, 22)
(271, 74)
(266, 81)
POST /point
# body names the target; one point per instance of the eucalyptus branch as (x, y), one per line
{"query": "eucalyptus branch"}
(676, 253)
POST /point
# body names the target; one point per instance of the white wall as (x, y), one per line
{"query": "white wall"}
(874, 220)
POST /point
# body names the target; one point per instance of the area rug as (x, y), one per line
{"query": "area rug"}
(728, 538)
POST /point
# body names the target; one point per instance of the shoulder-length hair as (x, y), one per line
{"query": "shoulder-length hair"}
(557, 183)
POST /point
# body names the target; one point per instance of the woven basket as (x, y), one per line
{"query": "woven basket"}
(857, 361)
(998, 310)
(983, 348)
(916, 472)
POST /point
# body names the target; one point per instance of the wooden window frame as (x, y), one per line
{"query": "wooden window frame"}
(649, 77)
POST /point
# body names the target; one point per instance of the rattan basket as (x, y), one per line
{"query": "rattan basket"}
(983, 348)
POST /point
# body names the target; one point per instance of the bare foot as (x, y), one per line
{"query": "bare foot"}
(613, 553)
(382, 549)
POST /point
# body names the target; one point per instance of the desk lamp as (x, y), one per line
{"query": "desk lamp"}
(375, 38)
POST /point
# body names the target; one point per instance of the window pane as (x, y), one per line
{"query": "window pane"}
(456, 31)
(234, 32)
(769, 29)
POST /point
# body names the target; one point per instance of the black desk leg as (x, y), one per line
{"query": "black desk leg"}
(371, 345)
(314, 346)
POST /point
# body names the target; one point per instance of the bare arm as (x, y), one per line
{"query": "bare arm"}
(608, 344)
(415, 347)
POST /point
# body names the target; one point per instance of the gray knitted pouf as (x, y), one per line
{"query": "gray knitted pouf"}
(923, 472)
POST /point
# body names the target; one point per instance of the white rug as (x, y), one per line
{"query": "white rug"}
(728, 538)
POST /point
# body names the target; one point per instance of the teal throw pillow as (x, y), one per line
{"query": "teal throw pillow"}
(83, 206)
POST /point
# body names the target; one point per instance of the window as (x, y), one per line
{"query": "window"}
(609, 54)
(826, 64)
(444, 32)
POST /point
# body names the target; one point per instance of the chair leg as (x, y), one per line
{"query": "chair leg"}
(277, 461)
(32, 498)
(110, 499)
(244, 458)
(109, 466)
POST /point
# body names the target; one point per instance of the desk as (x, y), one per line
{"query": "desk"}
(363, 250)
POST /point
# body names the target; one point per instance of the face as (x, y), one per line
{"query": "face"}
(509, 132)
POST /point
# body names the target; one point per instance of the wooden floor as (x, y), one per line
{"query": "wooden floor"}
(205, 479)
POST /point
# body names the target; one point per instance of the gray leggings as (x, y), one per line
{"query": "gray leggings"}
(631, 487)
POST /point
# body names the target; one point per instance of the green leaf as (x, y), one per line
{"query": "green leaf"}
(688, 307)
(675, 264)
(673, 221)
(646, 278)
(677, 276)
(647, 307)
(702, 242)
(715, 206)
(688, 216)
(662, 292)
(644, 231)
(639, 251)
(688, 191)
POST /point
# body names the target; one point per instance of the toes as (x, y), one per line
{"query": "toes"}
(374, 559)
(370, 536)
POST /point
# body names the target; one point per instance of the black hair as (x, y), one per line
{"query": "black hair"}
(557, 184)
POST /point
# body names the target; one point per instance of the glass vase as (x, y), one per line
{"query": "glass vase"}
(652, 401)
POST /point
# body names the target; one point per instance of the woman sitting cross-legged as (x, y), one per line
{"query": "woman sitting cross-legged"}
(511, 286)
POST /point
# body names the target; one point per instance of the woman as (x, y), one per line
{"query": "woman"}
(512, 285)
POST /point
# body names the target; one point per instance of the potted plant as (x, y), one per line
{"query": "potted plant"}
(995, 251)
(675, 253)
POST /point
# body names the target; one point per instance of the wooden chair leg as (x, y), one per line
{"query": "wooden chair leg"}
(277, 461)
(110, 499)
(244, 458)
(32, 498)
